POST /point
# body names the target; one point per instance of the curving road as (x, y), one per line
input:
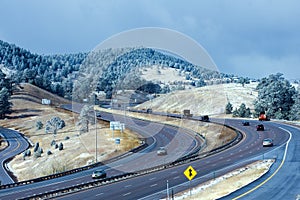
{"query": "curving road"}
(153, 186)
(177, 140)
(16, 144)
(283, 180)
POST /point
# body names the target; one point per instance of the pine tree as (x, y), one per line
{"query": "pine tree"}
(275, 97)
(5, 105)
(228, 109)
(295, 110)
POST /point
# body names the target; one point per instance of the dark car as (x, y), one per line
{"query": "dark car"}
(205, 118)
(99, 174)
(246, 123)
(98, 114)
(260, 127)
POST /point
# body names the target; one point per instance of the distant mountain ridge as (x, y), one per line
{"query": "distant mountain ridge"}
(57, 73)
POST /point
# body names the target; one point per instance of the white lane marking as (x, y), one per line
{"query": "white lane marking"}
(99, 194)
(118, 166)
(276, 171)
(153, 185)
(228, 160)
(126, 194)
(151, 179)
(127, 186)
(176, 177)
(175, 172)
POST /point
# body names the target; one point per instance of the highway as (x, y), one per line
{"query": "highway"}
(153, 186)
(283, 181)
(16, 144)
(175, 139)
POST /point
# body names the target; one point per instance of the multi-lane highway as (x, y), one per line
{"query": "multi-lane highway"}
(283, 180)
(178, 141)
(153, 185)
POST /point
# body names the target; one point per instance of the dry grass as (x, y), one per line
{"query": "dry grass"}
(210, 100)
(78, 151)
(216, 135)
(230, 182)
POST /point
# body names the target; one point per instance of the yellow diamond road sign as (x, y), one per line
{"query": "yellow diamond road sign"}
(190, 173)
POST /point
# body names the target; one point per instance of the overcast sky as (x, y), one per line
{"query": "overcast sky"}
(248, 38)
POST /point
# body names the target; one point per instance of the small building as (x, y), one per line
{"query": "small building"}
(46, 101)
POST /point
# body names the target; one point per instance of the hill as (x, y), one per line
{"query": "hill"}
(29, 92)
(210, 100)
(103, 70)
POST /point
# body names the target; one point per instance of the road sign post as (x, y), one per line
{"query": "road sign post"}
(190, 173)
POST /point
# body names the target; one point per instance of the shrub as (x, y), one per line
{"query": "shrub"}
(53, 142)
(49, 152)
(61, 146)
(37, 154)
(36, 147)
(39, 125)
(28, 152)
(40, 150)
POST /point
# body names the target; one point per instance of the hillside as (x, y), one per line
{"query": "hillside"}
(209, 100)
(79, 149)
(32, 93)
(104, 70)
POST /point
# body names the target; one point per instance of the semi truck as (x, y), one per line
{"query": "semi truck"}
(263, 116)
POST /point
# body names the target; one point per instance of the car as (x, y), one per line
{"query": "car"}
(268, 142)
(98, 114)
(246, 123)
(162, 151)
(260, 127)
(99, 174)
(204, 118)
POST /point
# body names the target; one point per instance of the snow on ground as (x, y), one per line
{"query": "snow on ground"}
(209, 100)
(228, 183)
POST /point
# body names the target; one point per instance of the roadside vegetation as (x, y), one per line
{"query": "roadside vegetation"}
(67, 148)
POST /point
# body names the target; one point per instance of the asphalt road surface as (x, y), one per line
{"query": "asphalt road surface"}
(175, 139)
(282, 185)
(153, 186)
(16, 144)
(283, 180)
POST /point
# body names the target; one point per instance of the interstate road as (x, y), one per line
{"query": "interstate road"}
(153, 186)
(16, 144)
(178, 141)
(283, 181)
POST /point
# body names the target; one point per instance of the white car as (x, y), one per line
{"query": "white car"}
(99, 174)
(162, 151)
(268, 142)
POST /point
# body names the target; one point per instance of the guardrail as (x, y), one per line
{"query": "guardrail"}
(187, 158)
(52, 176)
(110, 180)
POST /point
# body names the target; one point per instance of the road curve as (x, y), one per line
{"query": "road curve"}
(176, 139)
(283, 180)
(16, 144)
(153, 186)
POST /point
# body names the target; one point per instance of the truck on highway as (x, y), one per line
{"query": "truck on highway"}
(263, 116)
